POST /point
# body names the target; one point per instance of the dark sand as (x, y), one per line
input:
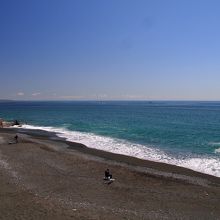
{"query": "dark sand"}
(45, 177)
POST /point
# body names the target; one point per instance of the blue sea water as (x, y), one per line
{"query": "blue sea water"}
(182, 133)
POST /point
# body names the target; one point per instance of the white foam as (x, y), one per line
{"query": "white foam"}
(206, 165)
(215, 144)
(217, 150)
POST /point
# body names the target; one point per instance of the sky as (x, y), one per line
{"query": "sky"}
(110, 50)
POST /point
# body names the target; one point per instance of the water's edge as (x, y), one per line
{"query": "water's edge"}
(203, 164)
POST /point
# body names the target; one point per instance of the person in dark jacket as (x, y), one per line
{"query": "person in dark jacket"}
(108, 175)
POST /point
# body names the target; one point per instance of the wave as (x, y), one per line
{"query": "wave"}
(217, 150)
(215, 144)
(208, 165)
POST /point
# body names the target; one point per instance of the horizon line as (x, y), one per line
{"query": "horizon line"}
(109, 100)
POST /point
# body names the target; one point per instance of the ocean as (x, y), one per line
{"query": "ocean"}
(181, 133)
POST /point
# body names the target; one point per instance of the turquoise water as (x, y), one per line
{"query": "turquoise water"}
(173, 130)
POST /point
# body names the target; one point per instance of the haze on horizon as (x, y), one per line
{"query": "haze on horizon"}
(109, 50)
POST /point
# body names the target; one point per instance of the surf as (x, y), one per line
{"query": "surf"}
(201, 163)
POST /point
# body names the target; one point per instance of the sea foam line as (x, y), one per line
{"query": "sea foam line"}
(203, 164)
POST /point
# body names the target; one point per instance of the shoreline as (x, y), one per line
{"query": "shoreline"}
(159, 169)
(207, 164)
(46, 177)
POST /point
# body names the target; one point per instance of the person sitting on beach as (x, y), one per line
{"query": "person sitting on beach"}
(16, 122)
(108, 175)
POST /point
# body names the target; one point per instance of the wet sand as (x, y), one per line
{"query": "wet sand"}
(45, 177)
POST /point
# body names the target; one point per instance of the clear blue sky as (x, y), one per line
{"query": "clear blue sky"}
(115, 49)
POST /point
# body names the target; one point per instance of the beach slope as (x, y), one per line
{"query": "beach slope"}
(44, 177)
